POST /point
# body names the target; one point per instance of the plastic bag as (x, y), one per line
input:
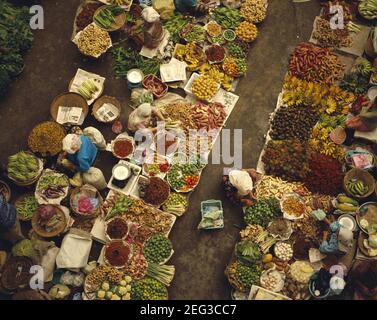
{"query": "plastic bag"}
(48, 263)
(164, 7)
(95, 177)
(96, 137)
(140, 96)
(150, 15)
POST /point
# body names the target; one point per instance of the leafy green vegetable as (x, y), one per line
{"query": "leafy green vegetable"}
(12, 63)
(126, 59)
(23, 248)
(248, 252)
(226, 17)
(174, 25)
(120, 207)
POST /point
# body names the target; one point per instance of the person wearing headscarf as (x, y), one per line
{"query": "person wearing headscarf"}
(238, 186)
(10, 229)
(81, 152)
(363, 278)
(141, 117)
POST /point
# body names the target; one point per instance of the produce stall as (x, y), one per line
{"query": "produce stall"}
(73, 217)
(310, 200)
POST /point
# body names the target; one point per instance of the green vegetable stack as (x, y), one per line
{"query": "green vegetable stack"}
(157, 249)
(126, 59)
(357, 187)
(26, 207)
(120, 207)
(16, 37)
(243, 276)
(23, 167)
(106, 17)
(227, 18)
(87, 89)
(23, 248)
(262, 212)
(148, 289)
(174, 25)
(248, 252)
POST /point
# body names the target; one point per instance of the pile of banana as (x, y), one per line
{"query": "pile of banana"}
(346, 204)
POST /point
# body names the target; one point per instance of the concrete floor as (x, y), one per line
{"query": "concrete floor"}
(200, 257)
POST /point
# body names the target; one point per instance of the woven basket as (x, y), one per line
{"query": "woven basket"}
(39, 231)
(120, 20)
(362, 175)
(100, 102)
(68, 99)
(84, 216)
(29, 183)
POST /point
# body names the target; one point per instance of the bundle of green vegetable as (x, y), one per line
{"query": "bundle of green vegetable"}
(126, 59)
(23, 166)
(23, 248)
(157, 249)
(26, 207)
(248, 252)
(15, 38)
(176, 204)
(52, 180)
(262, 212)
(358, 80)
(87, 89)
(228, 18)
(174, 25)
(161, 273)
(368, 9)
(121, 206)
(106, 17)
(148, 289)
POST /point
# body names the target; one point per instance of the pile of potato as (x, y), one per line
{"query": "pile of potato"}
(254, 11)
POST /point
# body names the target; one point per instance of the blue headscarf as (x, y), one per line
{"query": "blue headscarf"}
(8, 214)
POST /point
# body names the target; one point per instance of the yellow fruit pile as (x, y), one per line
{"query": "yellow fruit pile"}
(254, 10)
(246, 31)
(214, 72)
(204, 87)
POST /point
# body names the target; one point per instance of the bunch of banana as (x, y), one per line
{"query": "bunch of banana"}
(357, 187)
(346, 204)
(368, 9)
(22, 166)
(87, 89)
(364, 67)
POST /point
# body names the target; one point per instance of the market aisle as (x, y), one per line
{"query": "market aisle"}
(200, 257)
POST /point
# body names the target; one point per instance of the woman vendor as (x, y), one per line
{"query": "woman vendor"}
(141, 118)
(10, 229)
(238, 186)
(81, 152)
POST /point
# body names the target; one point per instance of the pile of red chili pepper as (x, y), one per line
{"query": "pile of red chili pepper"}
(117, 228)
(122, 148)
(156, 192)
(326, 176)
(215, 53)
(312, 63)
(117, 253)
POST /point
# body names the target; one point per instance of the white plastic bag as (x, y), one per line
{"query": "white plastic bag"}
(95, 177)
(96, 137)
(150, 15)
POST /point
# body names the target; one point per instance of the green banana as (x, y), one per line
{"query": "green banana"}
(345, 199)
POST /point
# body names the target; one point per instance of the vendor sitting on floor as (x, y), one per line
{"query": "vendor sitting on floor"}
(10, 229)
(81, 152)
(238, 186)
(141, 117)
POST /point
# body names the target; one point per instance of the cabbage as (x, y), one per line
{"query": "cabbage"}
(23, 248)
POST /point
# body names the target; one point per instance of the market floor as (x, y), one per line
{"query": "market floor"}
(200, 256)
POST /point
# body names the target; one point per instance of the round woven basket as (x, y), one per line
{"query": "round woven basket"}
(39, 231)
(30, 182)
(84, 216)
(100, 102)
(120, 20)
(68, 99)
(362, 175)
